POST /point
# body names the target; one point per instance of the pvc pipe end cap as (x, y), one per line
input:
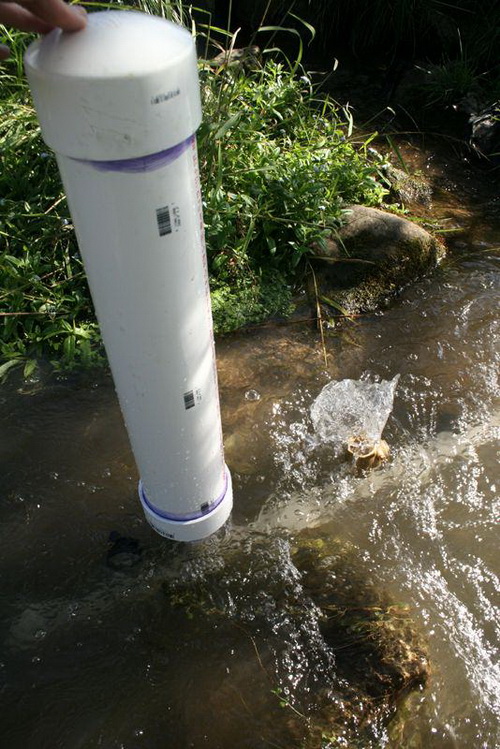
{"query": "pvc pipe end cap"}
(190, 530)
(114, 44)
(124, 87)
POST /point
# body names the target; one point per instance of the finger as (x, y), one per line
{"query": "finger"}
(4, 52)
(57, 13)
(13, 15)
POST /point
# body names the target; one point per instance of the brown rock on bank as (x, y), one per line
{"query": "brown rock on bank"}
(370, 259)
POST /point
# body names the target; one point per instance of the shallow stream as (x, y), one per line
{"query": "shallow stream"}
(92, 656)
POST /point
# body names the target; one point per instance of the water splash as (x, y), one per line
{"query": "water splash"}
(353, 413)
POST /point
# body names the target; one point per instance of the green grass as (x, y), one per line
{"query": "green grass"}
(392, 27)
(457, 41)
(277, 167)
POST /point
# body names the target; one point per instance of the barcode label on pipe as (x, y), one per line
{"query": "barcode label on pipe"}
(189, 401)
(163, 220)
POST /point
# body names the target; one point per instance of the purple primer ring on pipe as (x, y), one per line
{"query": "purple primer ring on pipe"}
(142, 163)
(190, 515)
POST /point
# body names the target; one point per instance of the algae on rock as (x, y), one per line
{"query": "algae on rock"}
(326, 656)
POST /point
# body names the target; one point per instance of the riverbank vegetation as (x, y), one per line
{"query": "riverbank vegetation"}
(279, 161)
(277, 166)
(455, 43)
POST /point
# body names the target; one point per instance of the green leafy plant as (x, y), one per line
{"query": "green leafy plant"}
(278, 166)
(449, 82)
(44, 301)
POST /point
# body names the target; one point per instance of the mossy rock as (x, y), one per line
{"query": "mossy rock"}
(375, 641)
(409, 189)
(370, 259)
(316, 622)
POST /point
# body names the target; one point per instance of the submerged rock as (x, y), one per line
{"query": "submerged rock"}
(370, 259)
(331, 658)
(123, 552)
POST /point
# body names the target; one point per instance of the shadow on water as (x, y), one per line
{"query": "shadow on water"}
(94, 656)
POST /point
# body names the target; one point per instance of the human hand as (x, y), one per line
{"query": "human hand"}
(40, 16)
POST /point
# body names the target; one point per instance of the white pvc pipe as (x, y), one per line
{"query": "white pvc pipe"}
(119, 104)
